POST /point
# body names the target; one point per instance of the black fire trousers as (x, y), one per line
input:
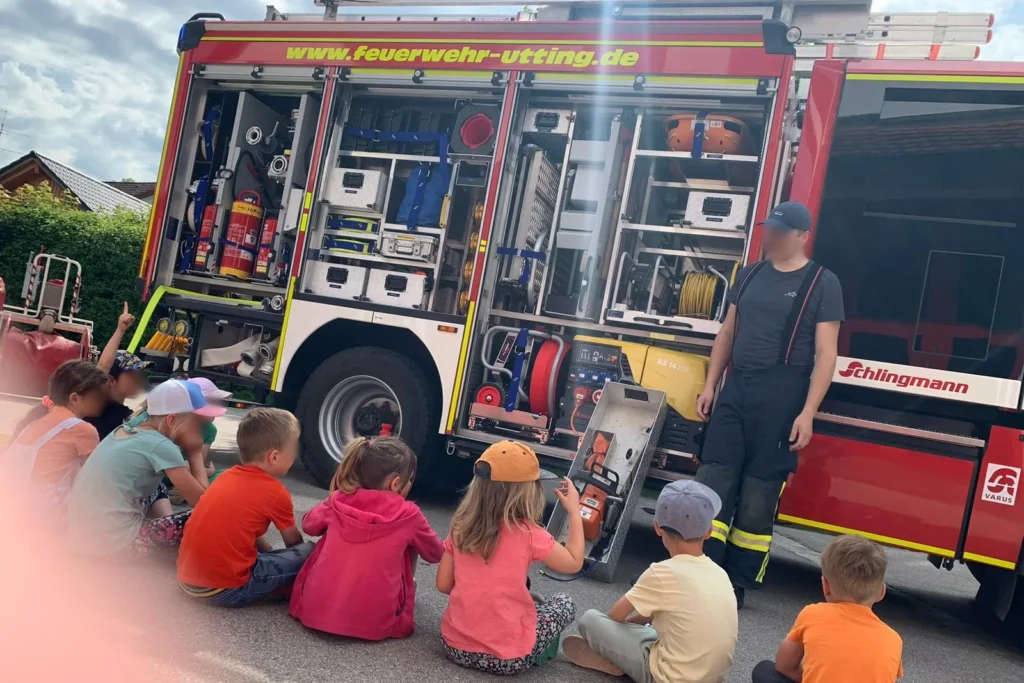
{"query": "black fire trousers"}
(746, 461)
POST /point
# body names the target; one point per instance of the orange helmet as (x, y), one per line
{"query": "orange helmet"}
(722, 134)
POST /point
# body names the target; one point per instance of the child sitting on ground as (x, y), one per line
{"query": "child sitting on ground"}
(841, 640)
(224, 558)
(360, 580)
(678, 623)
(53, 440)
(127, 379)
(114, 504)
(199, 459)
(214, 396)
(492, 623)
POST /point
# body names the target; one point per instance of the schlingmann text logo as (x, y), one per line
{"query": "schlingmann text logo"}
(550, 56)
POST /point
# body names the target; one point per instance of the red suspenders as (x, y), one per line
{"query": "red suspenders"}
(796, 313)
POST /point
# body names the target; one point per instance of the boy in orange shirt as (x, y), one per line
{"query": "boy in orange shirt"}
(224, 558)
(841, 640)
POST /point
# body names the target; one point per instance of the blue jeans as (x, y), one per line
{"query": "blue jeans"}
(272, 572)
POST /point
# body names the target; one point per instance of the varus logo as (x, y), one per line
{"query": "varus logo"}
(1001, 483)
(860, 371)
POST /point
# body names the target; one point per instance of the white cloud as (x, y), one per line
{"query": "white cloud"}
(89, 83)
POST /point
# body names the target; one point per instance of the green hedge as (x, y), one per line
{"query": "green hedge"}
(108, 245)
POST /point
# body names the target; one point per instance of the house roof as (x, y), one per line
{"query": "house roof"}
(137, 190)
(95, 195)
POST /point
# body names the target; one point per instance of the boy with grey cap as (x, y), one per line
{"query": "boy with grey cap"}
(678, 623)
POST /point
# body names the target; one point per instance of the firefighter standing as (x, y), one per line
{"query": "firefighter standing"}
(780, 334)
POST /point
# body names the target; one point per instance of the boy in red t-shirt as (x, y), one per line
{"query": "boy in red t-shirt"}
(224, 558)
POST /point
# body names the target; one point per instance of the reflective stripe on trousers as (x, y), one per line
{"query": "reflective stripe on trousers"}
(741, 535)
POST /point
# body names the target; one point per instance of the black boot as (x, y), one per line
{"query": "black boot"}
(741, 593)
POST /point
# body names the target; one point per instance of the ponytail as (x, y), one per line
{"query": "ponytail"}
(369, 463)
(346, 478)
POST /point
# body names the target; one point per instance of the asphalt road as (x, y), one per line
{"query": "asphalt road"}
(944, 637)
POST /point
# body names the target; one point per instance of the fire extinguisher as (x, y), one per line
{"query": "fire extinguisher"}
(205, 237)
(242, 235)
(266, 251)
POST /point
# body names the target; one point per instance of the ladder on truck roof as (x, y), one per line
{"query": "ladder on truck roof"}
(830, 29)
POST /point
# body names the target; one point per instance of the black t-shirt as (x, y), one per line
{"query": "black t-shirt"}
(113, 416)
(764, 309)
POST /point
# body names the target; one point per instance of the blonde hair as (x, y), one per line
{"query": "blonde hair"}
(487, 506)
(368, 463)
(855, 568)
(263, 430)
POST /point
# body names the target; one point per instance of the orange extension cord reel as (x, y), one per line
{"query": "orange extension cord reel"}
(722, 134)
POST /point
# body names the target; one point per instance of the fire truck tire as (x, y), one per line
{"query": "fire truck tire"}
(351, 393)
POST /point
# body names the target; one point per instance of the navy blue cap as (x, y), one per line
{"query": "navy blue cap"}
(789, 216)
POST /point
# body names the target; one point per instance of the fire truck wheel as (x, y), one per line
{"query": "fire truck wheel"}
(352, 394)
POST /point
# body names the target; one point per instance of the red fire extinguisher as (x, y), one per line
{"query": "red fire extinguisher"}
(242, 235)
(266, 251)
(205, 237)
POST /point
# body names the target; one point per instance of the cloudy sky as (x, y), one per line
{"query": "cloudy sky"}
(88, 82)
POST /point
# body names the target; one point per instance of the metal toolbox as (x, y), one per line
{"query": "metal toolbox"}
(340, 282)
(395, 288)
(716, 210)
(632, 417)
(356, 189)
(409, 245)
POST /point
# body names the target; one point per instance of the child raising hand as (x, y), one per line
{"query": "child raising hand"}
(492, 623)
(359, 580)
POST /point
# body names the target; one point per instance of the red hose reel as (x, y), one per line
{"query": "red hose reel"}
(546, 364)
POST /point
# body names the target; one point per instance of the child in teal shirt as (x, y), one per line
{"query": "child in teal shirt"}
(199, 461)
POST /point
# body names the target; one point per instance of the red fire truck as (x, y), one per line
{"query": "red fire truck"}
(460, 230)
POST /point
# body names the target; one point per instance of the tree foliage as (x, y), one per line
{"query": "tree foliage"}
(107, 244)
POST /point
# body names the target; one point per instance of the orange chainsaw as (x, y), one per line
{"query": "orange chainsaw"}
(602, 486)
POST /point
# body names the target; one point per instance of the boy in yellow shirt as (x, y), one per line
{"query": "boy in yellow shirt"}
(678, 623)
(841, 640)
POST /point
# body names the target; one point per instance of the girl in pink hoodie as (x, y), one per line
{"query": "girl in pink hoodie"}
(359, 582)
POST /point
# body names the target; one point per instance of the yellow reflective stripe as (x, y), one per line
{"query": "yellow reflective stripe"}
(284, 331)
(764, 567)
(972, 557)
(888, 540)
(718, 535)
(757, 542)
(151, 227)
(761, 544)
(937, 78)
(466, 335)
(470, 42)
(753, 547)
(717, 524)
